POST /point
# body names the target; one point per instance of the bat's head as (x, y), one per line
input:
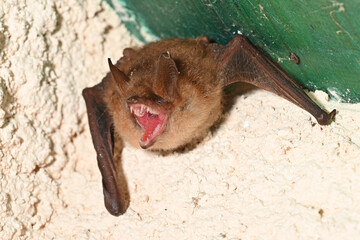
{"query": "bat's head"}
(150, 105)
(166, 101)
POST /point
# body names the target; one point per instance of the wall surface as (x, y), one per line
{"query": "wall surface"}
(267, 172)
(49, 51)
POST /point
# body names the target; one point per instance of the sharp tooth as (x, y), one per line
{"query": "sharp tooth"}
(152, 111)
(139, 113)
(142, 110)
(131, 110)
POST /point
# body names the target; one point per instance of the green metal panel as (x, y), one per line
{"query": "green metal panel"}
(324, 34)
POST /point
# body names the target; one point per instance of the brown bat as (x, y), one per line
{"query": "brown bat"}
(169, 93)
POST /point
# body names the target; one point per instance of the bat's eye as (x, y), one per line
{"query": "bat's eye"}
(160, 101)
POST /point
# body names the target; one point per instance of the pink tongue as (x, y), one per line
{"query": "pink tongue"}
(149, 123)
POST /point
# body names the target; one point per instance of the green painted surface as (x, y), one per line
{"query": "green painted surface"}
(324, 34)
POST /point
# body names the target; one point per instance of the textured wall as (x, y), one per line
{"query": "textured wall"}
(268, 172)
(49, 51)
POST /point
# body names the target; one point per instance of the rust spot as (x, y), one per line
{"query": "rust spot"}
(294, 58)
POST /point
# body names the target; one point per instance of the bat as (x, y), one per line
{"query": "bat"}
(169, 93)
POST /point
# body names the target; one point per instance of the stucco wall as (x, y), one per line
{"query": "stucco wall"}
(49, 51)
(268, 171)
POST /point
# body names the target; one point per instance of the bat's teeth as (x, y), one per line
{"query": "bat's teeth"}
(149, 110)
(141, 111)
(154, 112)
(138, 112)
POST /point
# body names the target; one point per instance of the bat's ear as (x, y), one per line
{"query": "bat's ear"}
(166, 76)
(204, 39)
(119, 77)
(128, 52)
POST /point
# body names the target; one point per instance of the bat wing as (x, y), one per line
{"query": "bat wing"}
(101, 129)
(240, 61)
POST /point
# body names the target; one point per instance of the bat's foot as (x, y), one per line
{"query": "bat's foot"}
(326, 118)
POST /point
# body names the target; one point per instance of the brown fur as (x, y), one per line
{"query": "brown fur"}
(192, 113)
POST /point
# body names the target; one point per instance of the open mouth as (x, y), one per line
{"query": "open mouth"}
(151, 121)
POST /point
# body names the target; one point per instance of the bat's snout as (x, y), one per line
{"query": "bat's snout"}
(152, 122)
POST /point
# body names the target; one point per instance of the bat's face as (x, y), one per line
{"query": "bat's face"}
(158, 101)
